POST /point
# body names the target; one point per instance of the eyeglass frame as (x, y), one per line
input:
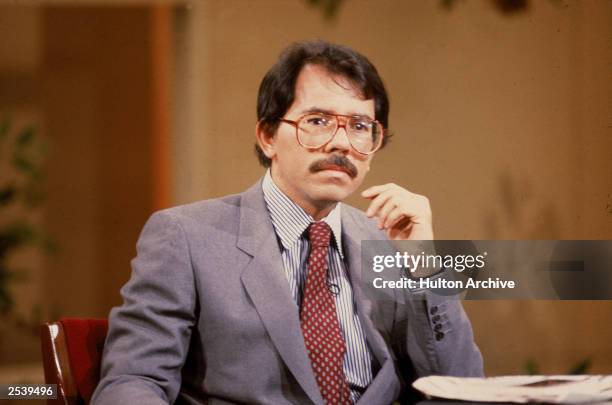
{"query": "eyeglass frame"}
(295, 124)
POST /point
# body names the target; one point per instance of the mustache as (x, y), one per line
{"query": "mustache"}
(335, 160)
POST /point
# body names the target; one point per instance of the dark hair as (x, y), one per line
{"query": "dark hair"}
(277, 89)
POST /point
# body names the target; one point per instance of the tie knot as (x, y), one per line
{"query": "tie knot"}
(319, 234)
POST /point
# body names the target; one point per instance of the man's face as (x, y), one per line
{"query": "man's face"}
(317, 178)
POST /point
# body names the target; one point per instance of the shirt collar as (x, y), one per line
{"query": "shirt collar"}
(290, 220)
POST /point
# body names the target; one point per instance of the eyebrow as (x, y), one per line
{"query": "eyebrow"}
(312, 110)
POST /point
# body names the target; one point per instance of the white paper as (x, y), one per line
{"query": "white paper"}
(556, 389)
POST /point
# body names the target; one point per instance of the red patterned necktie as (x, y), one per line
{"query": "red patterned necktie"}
(320, 326)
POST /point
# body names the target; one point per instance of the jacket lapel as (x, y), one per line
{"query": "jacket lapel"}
(352, 235)
(385, 382)
(266, 283)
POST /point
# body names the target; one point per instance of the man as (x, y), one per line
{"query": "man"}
(255, 297)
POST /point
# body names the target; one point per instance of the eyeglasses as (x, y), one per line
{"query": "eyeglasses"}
(317, 129)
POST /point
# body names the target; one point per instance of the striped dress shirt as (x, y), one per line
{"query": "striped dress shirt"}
(290, 222)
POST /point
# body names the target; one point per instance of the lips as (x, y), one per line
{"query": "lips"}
(336, 168)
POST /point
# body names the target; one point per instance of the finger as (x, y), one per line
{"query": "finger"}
(401, 229)
(418, 209)
(374, 190)
(394, 218)
(384, 211)
(378, 202)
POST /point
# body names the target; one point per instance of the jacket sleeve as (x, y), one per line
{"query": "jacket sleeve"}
(453, 340)
(149, 333)
(435, 336)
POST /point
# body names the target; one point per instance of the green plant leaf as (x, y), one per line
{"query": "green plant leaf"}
(581, 367)
(8, 194)
(15, 235)
(531, 367)
(25, 137)
(329, 8)
(6, 301)
(19, 274)
(447, 3)
(22, 164)
(24, 151)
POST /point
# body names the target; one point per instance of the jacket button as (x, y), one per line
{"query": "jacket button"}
(439, 336)
(438, 327)
(433, 310)
(436, 318)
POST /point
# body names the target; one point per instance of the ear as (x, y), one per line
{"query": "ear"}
(265, 140)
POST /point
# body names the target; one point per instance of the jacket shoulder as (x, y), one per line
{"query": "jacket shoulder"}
(212, 212)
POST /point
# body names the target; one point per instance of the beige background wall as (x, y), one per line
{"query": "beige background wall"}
(504, 122)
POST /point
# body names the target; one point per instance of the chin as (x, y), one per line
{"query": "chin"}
(332, 192)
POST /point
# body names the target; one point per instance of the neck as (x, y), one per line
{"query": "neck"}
(316, 209)
(319, 213)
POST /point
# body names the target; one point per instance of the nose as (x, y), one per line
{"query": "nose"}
(340, 140)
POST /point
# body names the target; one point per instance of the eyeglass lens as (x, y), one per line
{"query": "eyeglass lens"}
(316, 130)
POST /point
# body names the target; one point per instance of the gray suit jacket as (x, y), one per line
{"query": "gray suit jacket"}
(208, 317)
